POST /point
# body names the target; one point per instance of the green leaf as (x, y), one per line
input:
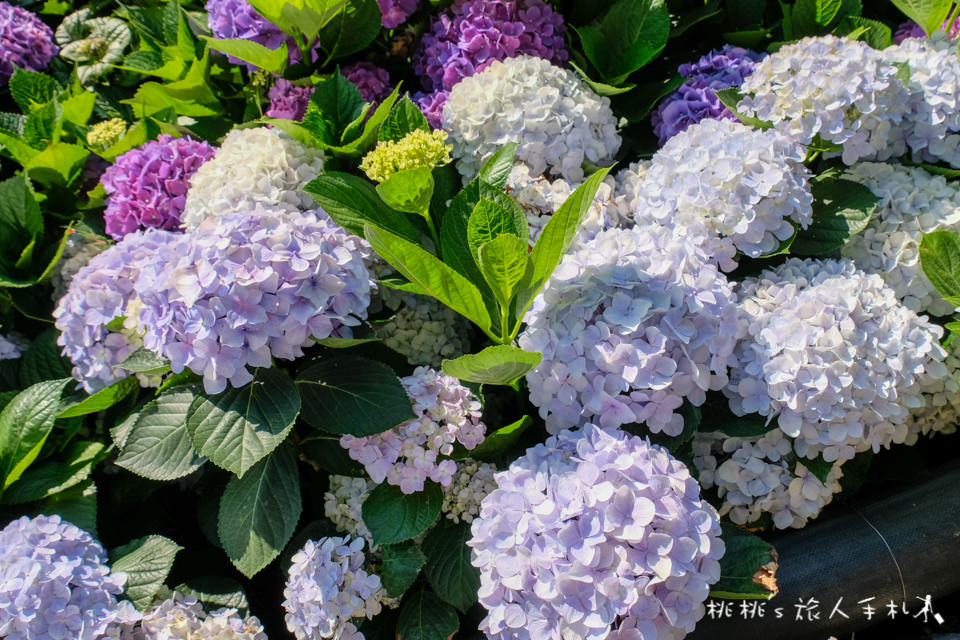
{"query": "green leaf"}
(630, 35)
(496, 170)
(147, 563)
(818, 467)
(239, 427)
(431, 275)
(58, 165)
(730, 98)
(425, 617)
(301, 18)
(79, 108)
(352, 29)
(747, 560)
(499, 364)
(488, 220)
(946, 172)
(503, 261)
(272, 60)
(346, 394)
(404, 118)
(353, 202)
(368, 136)
(454, 242)
(77, 505)
(940, 261)
(103, 399)
(21, 223)
(42, 360)
(841, 209)
(496, 442)
(145, 361)
(929, 14)
(216, 592)
(51, 478)
(401, 566)
(393, 516)
(601, 88)
(31, 89)
(409, 190)
(25, 424)
(448, 568)
(259, 512)
(157, 445)
(327, 454)
(875, 33)
(335, 103)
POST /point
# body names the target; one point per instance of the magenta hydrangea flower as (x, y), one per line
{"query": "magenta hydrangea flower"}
(395, 12)
(431, 104)
(595, 535)
(474, 32)
(230, 19)
(147, 186)
(288, 100)
(25, 41)
(373, 82)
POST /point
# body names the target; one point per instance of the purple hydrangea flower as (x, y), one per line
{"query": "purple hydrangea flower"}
(474, 32)
(431, 104)
(147, 186)
(238, 19)
(55, 583)
(373, 82)
(406, 456)
(99, 293)
(911, 29)
(594, 530)
(728, 66)
(25, 41)
(246, 287)
(396, 12)
(288, 100)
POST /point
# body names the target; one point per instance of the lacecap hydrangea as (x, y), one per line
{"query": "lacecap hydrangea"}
(556, 118)
(472, 482)
(425, 331)
(327, 588)
(55, 583)
(630, 325)
(243, 288)
(183, 617)
(237, 19)
(595, 535)
(252, 166)
(912, 203)
(147, 186)
(833, 356)
(409, 454)
(25, 41)
(738, 188)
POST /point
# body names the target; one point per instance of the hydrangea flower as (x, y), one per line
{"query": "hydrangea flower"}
(557, 119)
(728, 66)
(98, 294)
(343, 505)
(247, 287)
(740, 188)
(630, 325)
(25, 41)
(627, 184)
(229, 19)
(407, 455)
(95, 44)
(327, 587)
(761, 476)
(287, 100)
(594, 530)
(107, 133)
(833, 356)
(472, 33)
(12, 346)
(252, 166)
(911, 29)
(912, 203)
(842, 90)
(55, 583)
(395, 12)
(182, 616)
(431, 105)
(79, 249)
(940, 412)
(147, 186)
(418, 148)
(472, 482)
(425, 331)
(373, 82)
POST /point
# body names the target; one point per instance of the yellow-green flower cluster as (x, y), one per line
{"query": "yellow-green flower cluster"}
(107, 133)
(419, 148)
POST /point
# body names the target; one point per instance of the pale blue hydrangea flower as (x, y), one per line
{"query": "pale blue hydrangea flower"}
(12, 346)
(183, 617)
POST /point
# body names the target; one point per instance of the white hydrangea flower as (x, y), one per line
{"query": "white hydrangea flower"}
(622, 208)
(77, 252)
(251, 167)
(557, 119)
(739, 188)
(833, 355)
(842, 90)
(426, 331)
(343, 505)
(940, 412)
(762, 475)
(912, 203)
(630, 325)
(181, 617)
(472, 482)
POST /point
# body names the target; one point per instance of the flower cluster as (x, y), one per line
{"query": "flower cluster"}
(79, 249)
(591, 529)
(288, 100)
(431, 105)
(472, 482)
(343, 505)
(237, 19)
(182, 616)
(696, 98)
(911, 29)
(372, 81)
(426, 331)
(107, 133)
(833, 355)
(556, 118)
(761, 476)
(147, 186)
(25, 41)
(840, 90)
(394, 13)
(56, 583)
(246, 287)
(473, 33)
(252, 166)
(912, 203)
(98, 294)
(418, 148)
(327, 587)
(12, 346)
(739, 188)
(940, 412)
(630, 325)
(95, 44)
(406, 456)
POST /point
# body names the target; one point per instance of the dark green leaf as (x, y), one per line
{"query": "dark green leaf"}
(404, 118)
(496, 442)
(25, 424)
(818, 467)
(876, 34)
(21, 223)
(631, 34)
(408, 190)
(747, 560)
(328, 455)
(841, 209)
(50, 478)
(354, 27)
(401, 566)
(335, 103)
(499, 364)
(147, 562)
(216, 592)
(425, 617)
(42, 360)
(31, 89)
(393, 516)
(103, 399)
(940, 260)
(77, 505)
(145, 361)
(448, 568)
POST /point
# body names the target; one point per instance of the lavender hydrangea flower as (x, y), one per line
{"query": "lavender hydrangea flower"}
(327, 587)
(911, 29)
(247, 287)
(25, 41)
(373, 82)
(431, 105)
(729, 66)
(229, 19)
(288, 100)
(55, 583)
(940, 412)
(472, 33)
(594, 530)
(630, 325)
(98, 294)
(147, 186)
(395, 12)
(406, 456)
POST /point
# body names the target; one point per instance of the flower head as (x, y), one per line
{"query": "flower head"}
(431, 105)
(373, 82)
(95, 44)
(472, 482)
(911, 29)
(425, 331)
(25, 41)
(79, 249)
(393, 13)
(183, 617)
(343, 505)
(418, 148)
(287, 100)
(107, 133)
(237, 19)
